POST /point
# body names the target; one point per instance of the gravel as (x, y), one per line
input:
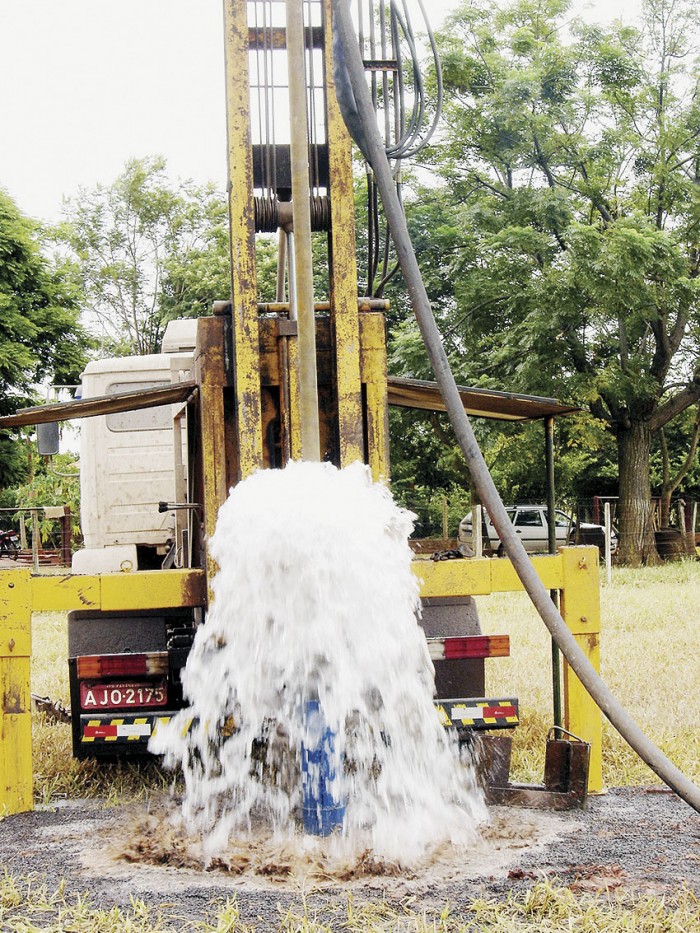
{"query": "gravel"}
(640, 841)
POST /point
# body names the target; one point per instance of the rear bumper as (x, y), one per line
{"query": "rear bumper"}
(130, 733)
(479, 713)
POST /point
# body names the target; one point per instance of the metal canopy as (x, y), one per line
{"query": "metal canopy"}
(404, 393)
(481, 403)
(101, 405)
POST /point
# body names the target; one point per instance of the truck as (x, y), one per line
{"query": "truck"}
(127, 461)
(132, 466)
(139, 513)
(251, 386)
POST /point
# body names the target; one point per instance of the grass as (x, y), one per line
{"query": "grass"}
(650, 661)
(28, 907)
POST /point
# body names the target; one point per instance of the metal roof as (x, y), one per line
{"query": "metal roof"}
(406, 393)
(101, 405)
(481, 403)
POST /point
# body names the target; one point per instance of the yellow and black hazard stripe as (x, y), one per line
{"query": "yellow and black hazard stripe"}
(121, 729)
(479, 713)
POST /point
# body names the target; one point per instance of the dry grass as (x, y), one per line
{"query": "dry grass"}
(29, 907)
(650, 660)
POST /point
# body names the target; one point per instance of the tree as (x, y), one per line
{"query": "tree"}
(132, 241)
(574, 170)
(41, 339)
(56, 481)
(192, 282)
(148, 250)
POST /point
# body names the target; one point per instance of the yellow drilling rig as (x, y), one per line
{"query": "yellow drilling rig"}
(251, 387)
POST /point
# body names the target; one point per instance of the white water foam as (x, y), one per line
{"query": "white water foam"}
(315, 602)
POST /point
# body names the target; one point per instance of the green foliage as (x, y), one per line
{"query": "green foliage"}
(433, 508)
(40, 338)
(55, 482)
(423, 453)
(677, 437)
(145, 251)
(566, 256)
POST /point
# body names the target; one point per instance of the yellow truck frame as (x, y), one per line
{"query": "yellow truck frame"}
(573, 572)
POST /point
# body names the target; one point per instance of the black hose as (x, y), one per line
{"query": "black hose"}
(481, 477)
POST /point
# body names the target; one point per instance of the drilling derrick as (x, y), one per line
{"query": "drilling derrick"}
(309, 379)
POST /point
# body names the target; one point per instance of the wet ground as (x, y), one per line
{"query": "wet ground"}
(640, 841)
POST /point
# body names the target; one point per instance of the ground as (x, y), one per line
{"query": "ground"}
(637, 841)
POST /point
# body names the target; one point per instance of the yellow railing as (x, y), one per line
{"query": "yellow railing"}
(573, 571)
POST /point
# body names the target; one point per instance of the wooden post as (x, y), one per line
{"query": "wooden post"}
(36, 540)
(65, 536)
(608, 543)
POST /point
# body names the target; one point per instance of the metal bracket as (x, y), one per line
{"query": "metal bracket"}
(566, 768)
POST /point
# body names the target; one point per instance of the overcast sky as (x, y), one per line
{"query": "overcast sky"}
(87, 84)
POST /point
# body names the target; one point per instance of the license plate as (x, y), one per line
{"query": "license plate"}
(122, 696)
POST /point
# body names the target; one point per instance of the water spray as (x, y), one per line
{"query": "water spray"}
(310, 685)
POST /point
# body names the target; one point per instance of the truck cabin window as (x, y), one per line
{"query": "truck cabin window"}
(147, 419)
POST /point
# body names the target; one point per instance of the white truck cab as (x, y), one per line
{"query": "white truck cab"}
(127, 460)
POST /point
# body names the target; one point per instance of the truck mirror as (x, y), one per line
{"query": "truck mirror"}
(47, 438)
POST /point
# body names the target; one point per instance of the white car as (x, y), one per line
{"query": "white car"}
(531, 526)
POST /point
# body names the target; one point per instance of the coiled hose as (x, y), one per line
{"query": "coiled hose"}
(373, 149)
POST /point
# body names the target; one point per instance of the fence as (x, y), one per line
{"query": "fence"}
(29, 547)
(679, 536)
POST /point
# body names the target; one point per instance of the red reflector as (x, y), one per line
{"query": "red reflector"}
(100, 732)
(477, 646)
(90, 667)
(498, 712)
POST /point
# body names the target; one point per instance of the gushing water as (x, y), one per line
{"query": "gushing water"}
(310, 685)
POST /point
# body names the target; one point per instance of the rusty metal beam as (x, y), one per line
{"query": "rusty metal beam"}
(242, 219)
(482, 403)
(301, 195)
(101, 405)
(343, 269)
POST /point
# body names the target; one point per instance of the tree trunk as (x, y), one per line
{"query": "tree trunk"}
(665, 506)
(636, 538)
